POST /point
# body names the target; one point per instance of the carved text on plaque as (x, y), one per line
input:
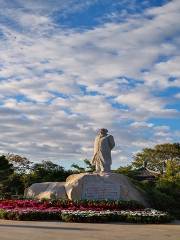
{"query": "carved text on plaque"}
(101, 190)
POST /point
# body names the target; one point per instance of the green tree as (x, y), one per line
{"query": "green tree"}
(126, 170)
(88, 167)
(163, 194)
(46, 171)
(21, 164)
(158, 156)
(172, 173)
(15, 184)
(6, 170)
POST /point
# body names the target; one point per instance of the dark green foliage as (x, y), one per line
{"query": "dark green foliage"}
(29, 215)
(21, 164)
(156, 157)
(16, 184)
(113, 217)
(163, 195)
(46, 172)
(54, 172)
(77, 168)
(88, 167)
(6, 170)
(16, 174)
(127, 170)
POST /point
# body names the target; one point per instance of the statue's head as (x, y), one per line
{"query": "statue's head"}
(103, 131)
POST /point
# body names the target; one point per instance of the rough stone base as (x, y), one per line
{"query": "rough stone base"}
(46, 190)
(99, 186)
(91, 186)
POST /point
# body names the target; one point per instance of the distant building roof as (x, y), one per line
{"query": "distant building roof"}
(144, 173)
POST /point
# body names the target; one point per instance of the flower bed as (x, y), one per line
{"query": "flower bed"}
(80, 211)
(143, 216)
(68, 204)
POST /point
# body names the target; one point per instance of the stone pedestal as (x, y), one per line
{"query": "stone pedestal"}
(90, 186)
(101, 186)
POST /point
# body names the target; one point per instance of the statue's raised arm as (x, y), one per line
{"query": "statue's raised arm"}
(103, 145)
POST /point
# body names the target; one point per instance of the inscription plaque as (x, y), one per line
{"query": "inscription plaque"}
(100, 190)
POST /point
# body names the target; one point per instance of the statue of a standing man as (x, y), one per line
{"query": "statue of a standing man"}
(103, 145)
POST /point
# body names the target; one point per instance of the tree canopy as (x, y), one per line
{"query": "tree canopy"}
(21, 164)
(6, 170)
(88, 166)
(157, 157)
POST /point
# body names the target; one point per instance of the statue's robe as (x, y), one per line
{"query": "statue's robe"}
(102, 152)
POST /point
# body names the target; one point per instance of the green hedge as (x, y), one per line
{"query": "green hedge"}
(114, 217)
(87, 216)
(29, 215)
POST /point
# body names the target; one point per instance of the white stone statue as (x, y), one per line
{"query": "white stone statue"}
(103, 145)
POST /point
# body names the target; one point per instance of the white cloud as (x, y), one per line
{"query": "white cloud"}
(141, 125)
(177, 95)
(45, 113)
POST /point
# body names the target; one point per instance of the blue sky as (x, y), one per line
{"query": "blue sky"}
(68, 68)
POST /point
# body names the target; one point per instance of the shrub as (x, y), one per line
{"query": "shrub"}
(31, 215)
(144, 216)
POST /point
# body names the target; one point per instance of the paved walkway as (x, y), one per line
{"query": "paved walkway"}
(16, 230)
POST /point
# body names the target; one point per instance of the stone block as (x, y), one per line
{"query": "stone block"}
(102, 186)
(46, 190)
